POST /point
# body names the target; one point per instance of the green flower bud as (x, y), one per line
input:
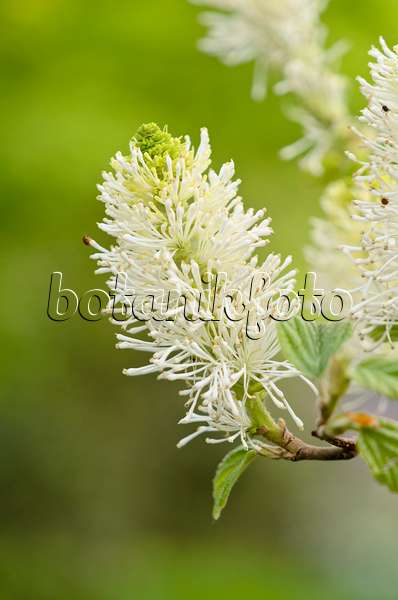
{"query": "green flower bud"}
(156, 143)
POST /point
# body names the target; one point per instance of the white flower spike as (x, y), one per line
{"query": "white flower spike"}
(377, 310)
(176, 225)
(286, 36)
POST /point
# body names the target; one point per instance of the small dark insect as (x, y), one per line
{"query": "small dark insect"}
(385, 108)
(385, 201)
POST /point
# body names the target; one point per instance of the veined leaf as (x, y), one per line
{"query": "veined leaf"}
(310, 345)
(378, 446)
(228, 472)
(379, 374)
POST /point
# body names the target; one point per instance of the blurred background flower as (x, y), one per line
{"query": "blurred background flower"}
(96, 500)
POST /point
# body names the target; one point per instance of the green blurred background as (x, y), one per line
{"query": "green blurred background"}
(96, 501)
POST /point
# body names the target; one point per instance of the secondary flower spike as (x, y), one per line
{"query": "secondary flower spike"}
(286, 36)
(176, 224)
(377, 310)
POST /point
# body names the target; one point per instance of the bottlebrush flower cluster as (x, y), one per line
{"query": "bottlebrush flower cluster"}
(176, 224)
(286, 36)
(377, 179)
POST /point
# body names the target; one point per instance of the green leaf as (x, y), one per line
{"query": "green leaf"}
(310, 345)
(379, 374)
(228, 472)
(379, 332)
(378, 446)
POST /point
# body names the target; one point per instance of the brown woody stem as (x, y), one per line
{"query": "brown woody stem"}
(294, 449)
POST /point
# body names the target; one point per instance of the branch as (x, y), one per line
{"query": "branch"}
(339, 442)
(294, 449)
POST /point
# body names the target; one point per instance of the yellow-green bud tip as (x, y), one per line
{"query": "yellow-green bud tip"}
(157, 142)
